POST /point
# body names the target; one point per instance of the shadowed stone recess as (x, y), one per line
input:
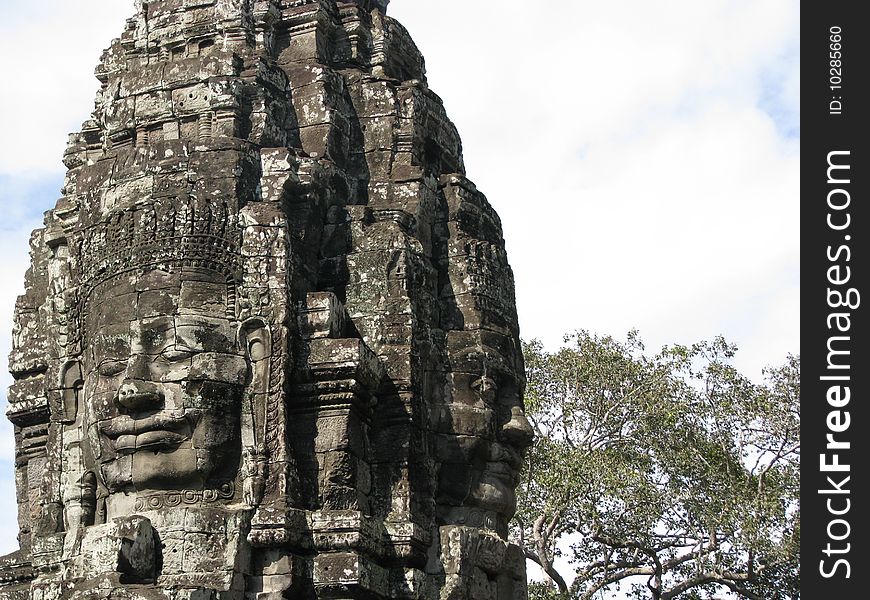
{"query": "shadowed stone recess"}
(268, 346)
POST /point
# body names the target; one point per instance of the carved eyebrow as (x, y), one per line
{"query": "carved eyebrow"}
(113, 357)
(186, 337)
(115, 346)
(176, 352)
(154, 336)
(203, 335)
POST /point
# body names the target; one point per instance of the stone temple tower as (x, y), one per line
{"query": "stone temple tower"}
(268, 346)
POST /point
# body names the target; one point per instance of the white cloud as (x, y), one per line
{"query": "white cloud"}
(48, 52)
(636, 153)
(8, 512)
(13, 250)
(670, 233)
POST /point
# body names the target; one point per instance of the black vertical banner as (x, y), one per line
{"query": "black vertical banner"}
(835, 300)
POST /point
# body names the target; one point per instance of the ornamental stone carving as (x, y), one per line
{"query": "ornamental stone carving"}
(268, 346)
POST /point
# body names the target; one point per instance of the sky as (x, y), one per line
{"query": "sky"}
(643, 157)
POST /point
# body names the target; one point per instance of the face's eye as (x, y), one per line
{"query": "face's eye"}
(111, 367)
(176, 354)
(486, 387)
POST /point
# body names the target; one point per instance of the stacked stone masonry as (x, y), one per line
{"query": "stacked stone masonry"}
(268, 346)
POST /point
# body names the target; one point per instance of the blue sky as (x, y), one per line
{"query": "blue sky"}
(642, 155)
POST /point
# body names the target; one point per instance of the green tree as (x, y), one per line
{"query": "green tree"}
(670, 474)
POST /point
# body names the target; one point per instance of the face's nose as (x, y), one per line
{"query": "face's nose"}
(137, 392)
(137, 395)
(518, 431)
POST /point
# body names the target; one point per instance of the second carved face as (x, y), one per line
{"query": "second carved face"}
(482, 434)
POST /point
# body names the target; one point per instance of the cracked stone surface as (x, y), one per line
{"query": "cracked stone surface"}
(268, 346)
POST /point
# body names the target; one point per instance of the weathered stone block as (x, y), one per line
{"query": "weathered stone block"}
(127, 547)
(321, 316)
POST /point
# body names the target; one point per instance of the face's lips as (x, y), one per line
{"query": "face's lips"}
(164, 430)
(504, 463)
(153, 440)
(127, 425)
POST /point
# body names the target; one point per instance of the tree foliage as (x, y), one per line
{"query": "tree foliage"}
(671, 475)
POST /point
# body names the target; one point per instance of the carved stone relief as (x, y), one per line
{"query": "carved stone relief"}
(268, 346)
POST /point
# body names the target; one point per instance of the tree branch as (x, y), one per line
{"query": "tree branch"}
(551, 572)
(613, 578)
(729, 580)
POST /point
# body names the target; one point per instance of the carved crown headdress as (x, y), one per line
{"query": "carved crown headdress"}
(165, 233)
(169, 234)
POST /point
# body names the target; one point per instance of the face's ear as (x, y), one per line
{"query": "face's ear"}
(256, 341)
(71, 382)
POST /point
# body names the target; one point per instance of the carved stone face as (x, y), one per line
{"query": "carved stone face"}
(163, 383)
(483, 434)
